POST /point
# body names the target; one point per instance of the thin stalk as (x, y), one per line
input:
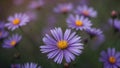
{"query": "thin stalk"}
(27, 36)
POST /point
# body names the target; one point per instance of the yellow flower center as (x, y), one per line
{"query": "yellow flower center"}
(13, 43)
(16, 21)
(85, 13)
(62, 44)
(112, 59)
(79, 23)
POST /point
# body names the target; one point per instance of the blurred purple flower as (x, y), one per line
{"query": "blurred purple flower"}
(18, 2)
(51, 20)
(63, 8)
(2, 25)
(46, 30)
(62, 46)
(17, 21)
(36, 4)
(97, 36)
(12, 41)
(84, 2)
(78, 22)
(30, 65)
(15, 66)
(93, 32)
(115, 23)
(86, 11)
(111, 58)
(32, 15)
(3, 34)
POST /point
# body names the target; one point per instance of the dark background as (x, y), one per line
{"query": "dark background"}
(28, 48)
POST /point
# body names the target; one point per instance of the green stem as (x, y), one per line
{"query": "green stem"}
(28, 37)
(16, 55)
(29, 27)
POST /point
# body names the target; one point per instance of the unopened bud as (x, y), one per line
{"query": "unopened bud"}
(66, 65)
(114, 14)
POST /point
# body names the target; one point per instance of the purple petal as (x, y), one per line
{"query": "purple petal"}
(68, 56)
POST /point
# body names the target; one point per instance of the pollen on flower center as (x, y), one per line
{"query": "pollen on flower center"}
(112, 59)
(62, 44)
(85, 12)
(16, 21)
(13, 43)
(79, 23)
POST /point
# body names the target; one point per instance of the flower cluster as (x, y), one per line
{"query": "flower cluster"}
(14, 22)
(63, 43)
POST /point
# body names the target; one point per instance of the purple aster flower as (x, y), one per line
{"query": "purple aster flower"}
(37, 4)
(15, 66)
(30, 65)
(97, 37)
(86, 11)
(12, 41)
(115, 23)
(62, 46)
(17, 21)
(78, 22)
(111, 58)
(63, 8)
(3, 34)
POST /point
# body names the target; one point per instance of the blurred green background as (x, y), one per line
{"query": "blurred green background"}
(28, 49)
